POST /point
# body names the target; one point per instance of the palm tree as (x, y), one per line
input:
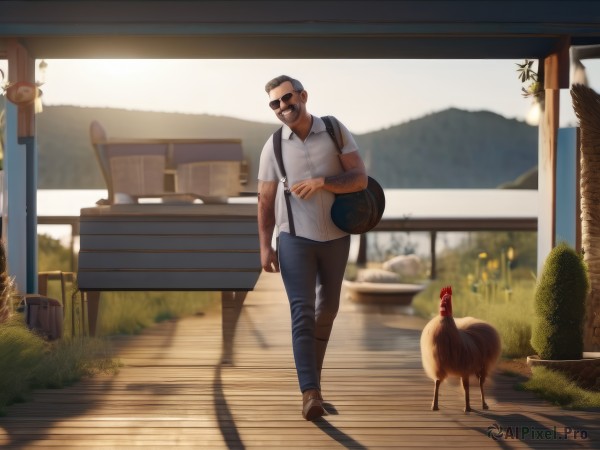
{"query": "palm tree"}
(586, 103)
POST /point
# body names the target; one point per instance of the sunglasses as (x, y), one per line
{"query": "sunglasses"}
(274, 104)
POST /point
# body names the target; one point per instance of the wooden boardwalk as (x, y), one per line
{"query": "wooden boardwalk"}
(174, 392)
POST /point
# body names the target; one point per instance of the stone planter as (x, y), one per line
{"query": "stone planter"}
(585, 371)
(382, 296)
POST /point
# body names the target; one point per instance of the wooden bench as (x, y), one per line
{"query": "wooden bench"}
(167, 247)
(211, 170)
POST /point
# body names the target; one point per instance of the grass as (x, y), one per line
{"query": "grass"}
(29, 362)
(558, 389)
(131, 312)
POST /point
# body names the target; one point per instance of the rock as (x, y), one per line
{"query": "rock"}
(376, 276)
(406, 266)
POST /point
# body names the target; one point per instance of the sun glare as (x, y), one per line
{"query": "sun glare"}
(368, 94)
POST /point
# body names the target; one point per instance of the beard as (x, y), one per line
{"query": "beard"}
(291, 116)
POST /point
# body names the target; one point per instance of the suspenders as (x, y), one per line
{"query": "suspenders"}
(286, 189)
(277, 147)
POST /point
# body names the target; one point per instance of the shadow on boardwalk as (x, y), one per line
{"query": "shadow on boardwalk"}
(174, 391)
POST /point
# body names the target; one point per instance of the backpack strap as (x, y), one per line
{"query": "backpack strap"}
(333, 129)
(286, 189)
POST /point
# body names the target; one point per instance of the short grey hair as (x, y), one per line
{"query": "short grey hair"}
(282, 79)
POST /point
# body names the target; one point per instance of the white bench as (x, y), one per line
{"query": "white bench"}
(211, 170)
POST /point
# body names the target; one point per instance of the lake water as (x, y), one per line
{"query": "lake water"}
(409, 203)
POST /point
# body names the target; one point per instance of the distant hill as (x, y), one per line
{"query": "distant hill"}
(448, 149)
(528, 180)
(452, 149)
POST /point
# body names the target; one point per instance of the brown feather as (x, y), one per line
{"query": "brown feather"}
(461, 347)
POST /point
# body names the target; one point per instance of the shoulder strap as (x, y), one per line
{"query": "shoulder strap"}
(286, 189)
(277, 147)
(333, 129)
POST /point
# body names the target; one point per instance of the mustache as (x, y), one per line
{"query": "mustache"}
(289, 108)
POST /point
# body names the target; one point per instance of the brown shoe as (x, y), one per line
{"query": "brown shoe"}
(312, 404)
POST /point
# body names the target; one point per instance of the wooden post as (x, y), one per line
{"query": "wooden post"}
(432, 243)
(361, 258)
(14, 209)
(231, 308)
(555, 70)
(21, 67)
(92, 300)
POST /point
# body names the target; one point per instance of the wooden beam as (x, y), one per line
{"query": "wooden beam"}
(21, 67)
(557, 66)
(553, 66)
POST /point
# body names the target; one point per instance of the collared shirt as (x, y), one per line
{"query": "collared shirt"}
(316, 157)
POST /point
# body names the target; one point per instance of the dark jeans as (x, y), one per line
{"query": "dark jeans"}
(312, 273)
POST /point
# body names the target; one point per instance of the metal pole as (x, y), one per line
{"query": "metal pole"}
(31, 208)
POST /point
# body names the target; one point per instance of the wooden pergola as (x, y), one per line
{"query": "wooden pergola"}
(443, 29)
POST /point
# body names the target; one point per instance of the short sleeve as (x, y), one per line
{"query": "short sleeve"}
(267, 169)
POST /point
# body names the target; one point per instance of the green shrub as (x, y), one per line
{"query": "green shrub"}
(6, 287)
(560, 305)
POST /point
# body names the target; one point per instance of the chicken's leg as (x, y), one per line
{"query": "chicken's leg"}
(465, 383)
(434, 405)
(484, 405)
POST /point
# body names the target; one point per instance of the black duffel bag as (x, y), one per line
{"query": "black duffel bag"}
(359, 212)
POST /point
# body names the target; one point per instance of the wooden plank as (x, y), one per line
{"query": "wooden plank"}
(174, 390)
(159, 242)
(234, 211)
(148, 226)
(161, 280)
(448, 224)
(169, 260)
(169, 247)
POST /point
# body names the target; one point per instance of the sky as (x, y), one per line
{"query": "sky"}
(366, 95)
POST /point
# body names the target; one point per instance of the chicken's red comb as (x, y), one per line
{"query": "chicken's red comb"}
(446, 290)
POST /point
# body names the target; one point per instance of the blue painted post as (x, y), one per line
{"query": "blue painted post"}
(566, 186)
(15, 214)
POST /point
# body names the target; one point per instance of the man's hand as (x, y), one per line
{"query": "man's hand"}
(269, 260)
(305, 189)
(354, 178)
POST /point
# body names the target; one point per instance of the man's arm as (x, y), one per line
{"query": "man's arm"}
(267, 191)
(354, 178)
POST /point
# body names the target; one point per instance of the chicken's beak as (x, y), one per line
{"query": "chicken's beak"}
(445, 307)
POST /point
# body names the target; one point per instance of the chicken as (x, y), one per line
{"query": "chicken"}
(461, 347)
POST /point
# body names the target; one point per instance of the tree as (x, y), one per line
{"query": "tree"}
(586, 103)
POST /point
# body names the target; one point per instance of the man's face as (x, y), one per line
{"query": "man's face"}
(291, 108)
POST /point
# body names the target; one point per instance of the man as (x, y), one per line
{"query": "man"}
(312, 255)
